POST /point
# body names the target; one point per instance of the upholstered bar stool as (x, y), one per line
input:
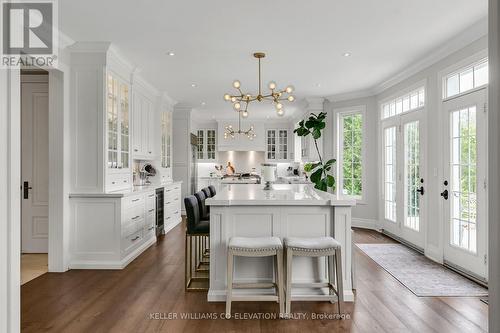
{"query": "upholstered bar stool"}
(202, 245)
(315, 247)
(212, 190)
(196, 229)
(255, 247)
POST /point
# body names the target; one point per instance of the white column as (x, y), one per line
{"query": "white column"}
(493, 161)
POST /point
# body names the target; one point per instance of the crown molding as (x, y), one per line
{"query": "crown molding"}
(314, 103)
(456, 43)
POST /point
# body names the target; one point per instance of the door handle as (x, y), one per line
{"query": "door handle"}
(444, 194)
(421, 190)
(26, 189)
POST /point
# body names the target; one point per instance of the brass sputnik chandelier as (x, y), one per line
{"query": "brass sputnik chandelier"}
(229, 132)
(241, 100)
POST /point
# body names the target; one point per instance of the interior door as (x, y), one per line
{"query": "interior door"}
(464, 185)
(35, 167)
(403, 179)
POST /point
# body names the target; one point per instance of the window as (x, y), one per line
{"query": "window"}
(465, 79)
(405, 103)
(351, 153)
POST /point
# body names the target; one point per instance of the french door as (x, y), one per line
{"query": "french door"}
(403, 177)
(464, 185)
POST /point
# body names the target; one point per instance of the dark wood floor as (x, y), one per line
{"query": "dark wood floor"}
(122, 301)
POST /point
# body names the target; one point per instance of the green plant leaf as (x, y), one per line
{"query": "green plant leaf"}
(316, 175)
(316, 133)
(330, 180)
(329, 162)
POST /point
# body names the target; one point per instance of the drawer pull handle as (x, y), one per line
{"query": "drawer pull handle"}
(136, 149)
(136, 200)
(168, 217)
(177, 212)
(151, 195)
(168, 203)
(176, 199)
(150, 228)
(113, 183)
(125, 181)
(168, 190)
(135, 217)
(150, 152)
(135, 238)
(151, 210)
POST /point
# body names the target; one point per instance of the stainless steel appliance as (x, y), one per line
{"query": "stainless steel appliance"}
(160, 222)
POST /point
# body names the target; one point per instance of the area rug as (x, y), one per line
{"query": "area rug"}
(419, 274)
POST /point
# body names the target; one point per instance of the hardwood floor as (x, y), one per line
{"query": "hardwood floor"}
(153, 284)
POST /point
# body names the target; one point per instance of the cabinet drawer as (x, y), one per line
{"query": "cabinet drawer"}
(150, 221)
(133, 213)
(133, 200)
(117, 181)
(132, 240)
(132, 227)
(150, 200)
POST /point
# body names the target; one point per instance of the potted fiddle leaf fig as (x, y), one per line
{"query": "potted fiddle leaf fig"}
(321, 171)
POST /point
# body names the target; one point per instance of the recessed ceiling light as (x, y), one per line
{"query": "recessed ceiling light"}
(171, 53)
(318, 85)
(203, 103)
(193, 85)
(346, 54)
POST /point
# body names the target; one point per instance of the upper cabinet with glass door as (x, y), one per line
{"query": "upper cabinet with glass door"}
(118, 125)
(207, 145)
(277, 147)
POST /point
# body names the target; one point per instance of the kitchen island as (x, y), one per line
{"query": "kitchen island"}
(289, 210)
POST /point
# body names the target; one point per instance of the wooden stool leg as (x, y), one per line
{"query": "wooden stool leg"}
(281, 295)
(230, 259)
(331, 277)
(288, 296)
(340, 287)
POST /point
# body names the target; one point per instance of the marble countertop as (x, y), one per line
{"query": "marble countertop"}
(123, 193)
(280, 195)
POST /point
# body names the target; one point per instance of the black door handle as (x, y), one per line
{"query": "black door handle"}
(444, 194)
(421, 190)
(26, 189)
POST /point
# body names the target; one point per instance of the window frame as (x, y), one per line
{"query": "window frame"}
(460, 67)
(339, 115)
(421, 85)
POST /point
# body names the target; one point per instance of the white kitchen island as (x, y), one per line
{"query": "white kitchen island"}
(288, 210)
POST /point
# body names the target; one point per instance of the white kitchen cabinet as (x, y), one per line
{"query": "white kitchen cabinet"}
(144, 125)
(207, 145)
(172, 205)
(277, 145)
(108, 231)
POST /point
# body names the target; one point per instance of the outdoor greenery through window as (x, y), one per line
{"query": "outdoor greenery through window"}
(351, 159)
(465, 79)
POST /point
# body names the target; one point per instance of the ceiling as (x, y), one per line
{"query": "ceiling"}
(213, 42)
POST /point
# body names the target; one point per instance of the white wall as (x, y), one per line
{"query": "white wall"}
(10, 182)
(494, 162)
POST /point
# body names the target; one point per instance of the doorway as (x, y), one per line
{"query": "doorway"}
(34, 173)
(404, 161)
(464, 185)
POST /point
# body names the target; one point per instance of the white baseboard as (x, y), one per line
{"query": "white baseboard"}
(113, 264)
(365, 223)
(434, 253)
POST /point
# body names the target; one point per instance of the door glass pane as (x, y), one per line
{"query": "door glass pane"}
(211, 144)
(112, 121)
(125, 137)
(463, 168)
(412, 175)
(201, 139)
(390, 173)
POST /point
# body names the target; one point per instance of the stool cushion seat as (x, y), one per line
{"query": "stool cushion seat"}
(203, 227)
(312, 244)
(255, 243)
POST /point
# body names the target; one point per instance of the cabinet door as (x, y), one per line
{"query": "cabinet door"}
(200, 134)
(124, 127)
(112, 122)
(151, 130)
(137, 125)
(211, 144)
(166, 139)
(283, 144)
(271, 145)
